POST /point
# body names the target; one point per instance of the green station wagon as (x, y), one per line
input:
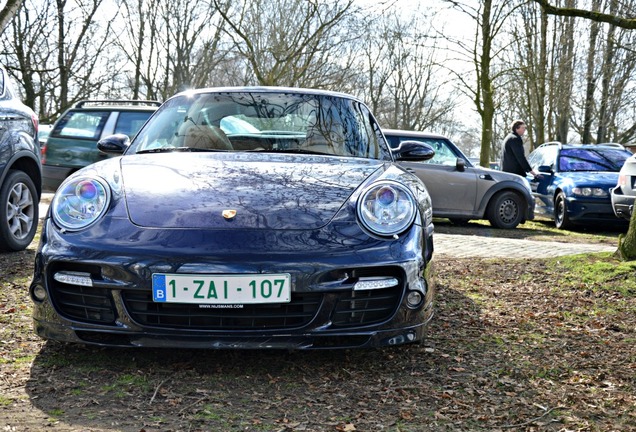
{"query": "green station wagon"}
(72, 143)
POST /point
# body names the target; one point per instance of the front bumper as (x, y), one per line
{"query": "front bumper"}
(324, 312)
(582, 210)
(623, 205)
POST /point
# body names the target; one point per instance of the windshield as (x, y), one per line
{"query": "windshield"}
(590, 159)
(263, 121)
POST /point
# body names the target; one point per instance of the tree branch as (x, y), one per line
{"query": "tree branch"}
(626, 23)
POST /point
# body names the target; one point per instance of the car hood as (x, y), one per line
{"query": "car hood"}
(239, 190)
(602, 179)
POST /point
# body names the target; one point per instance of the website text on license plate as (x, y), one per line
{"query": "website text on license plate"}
(221, 289)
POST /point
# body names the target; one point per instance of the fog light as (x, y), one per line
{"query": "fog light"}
(401, 339)
(372, 283)
(74, 278)
(39, 293)
(414, 298)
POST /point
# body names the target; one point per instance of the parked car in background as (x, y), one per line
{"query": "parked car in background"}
(624, 194)
(20, 170)
(43, 133)
(72, 143)
(241, 218)
(574, 184)
(461, 191)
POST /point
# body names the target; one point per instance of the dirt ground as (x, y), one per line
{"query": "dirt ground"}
(512, 347)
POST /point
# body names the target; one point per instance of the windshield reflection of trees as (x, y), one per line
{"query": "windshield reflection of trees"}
(591, 160)
(345, 125)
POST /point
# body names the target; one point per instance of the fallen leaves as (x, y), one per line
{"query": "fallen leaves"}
(505, 351)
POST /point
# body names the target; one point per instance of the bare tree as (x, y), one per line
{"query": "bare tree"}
(484, 48)
(171, 45)
(57, 52)
(533, 53)
(26, 51)
(291, 42)
(80, 47)
(404, 83)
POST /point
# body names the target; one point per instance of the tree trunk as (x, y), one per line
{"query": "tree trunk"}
(606, 80)
(488, 105)
(565, 77)
(540, 120)
(588, 115)
(627, 243)
(7, 12)
(61, 54)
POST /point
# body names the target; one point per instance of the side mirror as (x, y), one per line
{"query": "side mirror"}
(413, 151)
(115, 144)
(460, 164)
(545, 169)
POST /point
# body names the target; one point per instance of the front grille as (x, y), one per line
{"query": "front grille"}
(297, 313)
(86, 304)
(328, 305)
(356, 308)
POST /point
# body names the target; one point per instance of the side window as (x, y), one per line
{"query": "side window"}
(444, 154)
(535, 158)
(543, 156)
(81, 124)
(129, 122)
(2, 83)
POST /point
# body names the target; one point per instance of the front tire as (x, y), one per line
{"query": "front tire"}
(561, 218)
(18, 211)
(505, 210)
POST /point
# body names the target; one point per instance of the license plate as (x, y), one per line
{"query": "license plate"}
(221, 289)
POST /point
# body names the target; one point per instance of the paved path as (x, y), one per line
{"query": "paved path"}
(467, 246)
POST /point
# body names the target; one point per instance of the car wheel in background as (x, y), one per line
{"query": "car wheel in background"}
(505, 210)
(561, 218)
(18, 212)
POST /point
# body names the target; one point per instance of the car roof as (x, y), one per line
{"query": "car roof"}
(267, 89)
(116, 103)
(592, 146)
(407, 133)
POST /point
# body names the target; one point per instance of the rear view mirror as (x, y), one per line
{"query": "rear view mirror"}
(115, 144)
(413, 151)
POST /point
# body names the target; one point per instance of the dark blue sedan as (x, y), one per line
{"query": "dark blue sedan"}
(241, 218)
(574, 184)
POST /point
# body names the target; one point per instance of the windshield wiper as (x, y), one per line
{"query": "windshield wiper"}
(177, 149)
(289, 150)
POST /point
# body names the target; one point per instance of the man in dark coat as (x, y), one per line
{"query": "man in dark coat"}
(513, 158)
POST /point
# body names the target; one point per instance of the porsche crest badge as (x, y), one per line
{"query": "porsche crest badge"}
(229, 214)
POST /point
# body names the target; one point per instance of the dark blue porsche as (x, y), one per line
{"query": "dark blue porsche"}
(241, 218)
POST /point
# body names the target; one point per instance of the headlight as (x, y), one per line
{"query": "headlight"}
(387, 208)
(78, 203)
(590, 192)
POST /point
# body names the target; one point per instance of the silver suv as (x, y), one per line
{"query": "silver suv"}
(461, 191)
(20, 170)
(624, 194)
